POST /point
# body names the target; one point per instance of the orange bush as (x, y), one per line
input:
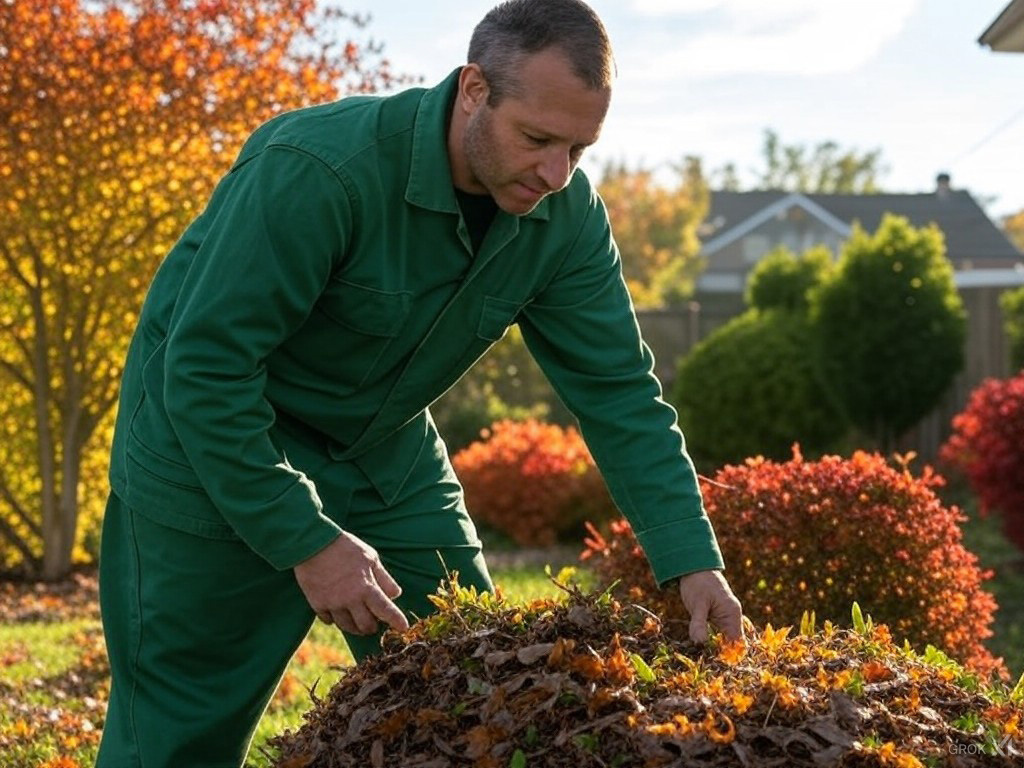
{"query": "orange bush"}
(534, 482)
(818, 535)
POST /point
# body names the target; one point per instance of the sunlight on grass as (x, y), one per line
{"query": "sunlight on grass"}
(40, 649)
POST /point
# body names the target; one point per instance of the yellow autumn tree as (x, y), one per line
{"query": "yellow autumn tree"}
(655, 226)
(1013, 226)
(116, 119)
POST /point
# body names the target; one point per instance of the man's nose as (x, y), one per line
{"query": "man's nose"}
(555, 168)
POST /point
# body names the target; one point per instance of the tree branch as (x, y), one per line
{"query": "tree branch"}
(18, 510)
(18, 375)
(8, 532)
(13, 265)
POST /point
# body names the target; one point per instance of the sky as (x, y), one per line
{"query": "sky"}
(707, 77)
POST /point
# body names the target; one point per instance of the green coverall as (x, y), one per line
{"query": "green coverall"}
(276, 392)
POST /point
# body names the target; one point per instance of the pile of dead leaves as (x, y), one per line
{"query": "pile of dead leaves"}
(591, 682)
(75, 597)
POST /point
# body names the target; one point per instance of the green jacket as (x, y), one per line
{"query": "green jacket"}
(301, 300)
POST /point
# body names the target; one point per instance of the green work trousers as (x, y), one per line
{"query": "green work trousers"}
(200, 630)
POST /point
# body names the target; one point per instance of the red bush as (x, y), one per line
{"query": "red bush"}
(534, 482)
(819, 535)
(987, 445)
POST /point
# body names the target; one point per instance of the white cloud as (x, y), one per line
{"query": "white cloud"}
(792, 37)
(672, 7)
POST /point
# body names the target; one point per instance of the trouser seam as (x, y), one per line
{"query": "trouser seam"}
(138, 643)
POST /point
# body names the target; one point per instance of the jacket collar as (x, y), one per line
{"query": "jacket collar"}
(430, 176)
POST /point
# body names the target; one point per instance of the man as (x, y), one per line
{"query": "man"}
(274, 459)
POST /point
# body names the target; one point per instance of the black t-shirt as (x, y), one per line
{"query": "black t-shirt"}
(478, 211)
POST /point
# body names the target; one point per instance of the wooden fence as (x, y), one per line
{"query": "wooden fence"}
(671, 333)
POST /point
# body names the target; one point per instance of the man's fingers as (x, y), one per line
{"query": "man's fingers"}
(728, 617)
(387, 611)
(387, 584)
(707, 596)
(699, 626)
(344, 621)
(365, 621)
(699, 618)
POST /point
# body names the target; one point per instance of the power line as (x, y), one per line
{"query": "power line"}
(995, 132)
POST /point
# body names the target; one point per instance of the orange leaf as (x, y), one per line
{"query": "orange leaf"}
(875, 672)
(589, 666)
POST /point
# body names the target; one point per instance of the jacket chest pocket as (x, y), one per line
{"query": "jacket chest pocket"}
(495, 317)
(352, 328)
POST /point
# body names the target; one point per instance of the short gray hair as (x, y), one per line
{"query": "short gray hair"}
(520, 27)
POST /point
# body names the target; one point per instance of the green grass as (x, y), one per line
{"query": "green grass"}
(984, 537)
(47, 648)
(52, 692)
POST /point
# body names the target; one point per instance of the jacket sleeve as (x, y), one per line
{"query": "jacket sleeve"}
(278, 226)
(583, 332)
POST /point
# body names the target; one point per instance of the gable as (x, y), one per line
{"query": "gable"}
(972, 240)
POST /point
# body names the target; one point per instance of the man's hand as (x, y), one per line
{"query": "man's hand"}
(707, 596)
(346, 584)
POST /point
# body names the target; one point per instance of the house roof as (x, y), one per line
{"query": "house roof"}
(1006, 33)
(970, 234)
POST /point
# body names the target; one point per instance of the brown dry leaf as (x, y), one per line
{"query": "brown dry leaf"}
(560, 651)
(618, 667)
(589, 665)
(377, 754)
(427, 716)
(480, 739)
(392, 725)
(531, 654)
(497, 658)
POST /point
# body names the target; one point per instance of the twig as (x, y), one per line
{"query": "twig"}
(770, 708)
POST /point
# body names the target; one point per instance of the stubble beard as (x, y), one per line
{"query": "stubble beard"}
(484, 163)
(478, 146)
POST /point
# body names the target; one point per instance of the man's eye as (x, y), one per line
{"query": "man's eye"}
(539, 141)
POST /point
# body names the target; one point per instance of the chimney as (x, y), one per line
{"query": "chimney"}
(942, 187)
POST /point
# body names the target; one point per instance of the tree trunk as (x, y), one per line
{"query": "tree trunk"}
(60, 541)
(48, 493)
(53, 531)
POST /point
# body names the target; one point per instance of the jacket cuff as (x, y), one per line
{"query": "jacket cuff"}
(286, 535)
(681, 547)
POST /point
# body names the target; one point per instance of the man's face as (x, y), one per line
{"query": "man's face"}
(530, 143)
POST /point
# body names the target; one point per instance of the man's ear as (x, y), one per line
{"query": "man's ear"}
(473, 88)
